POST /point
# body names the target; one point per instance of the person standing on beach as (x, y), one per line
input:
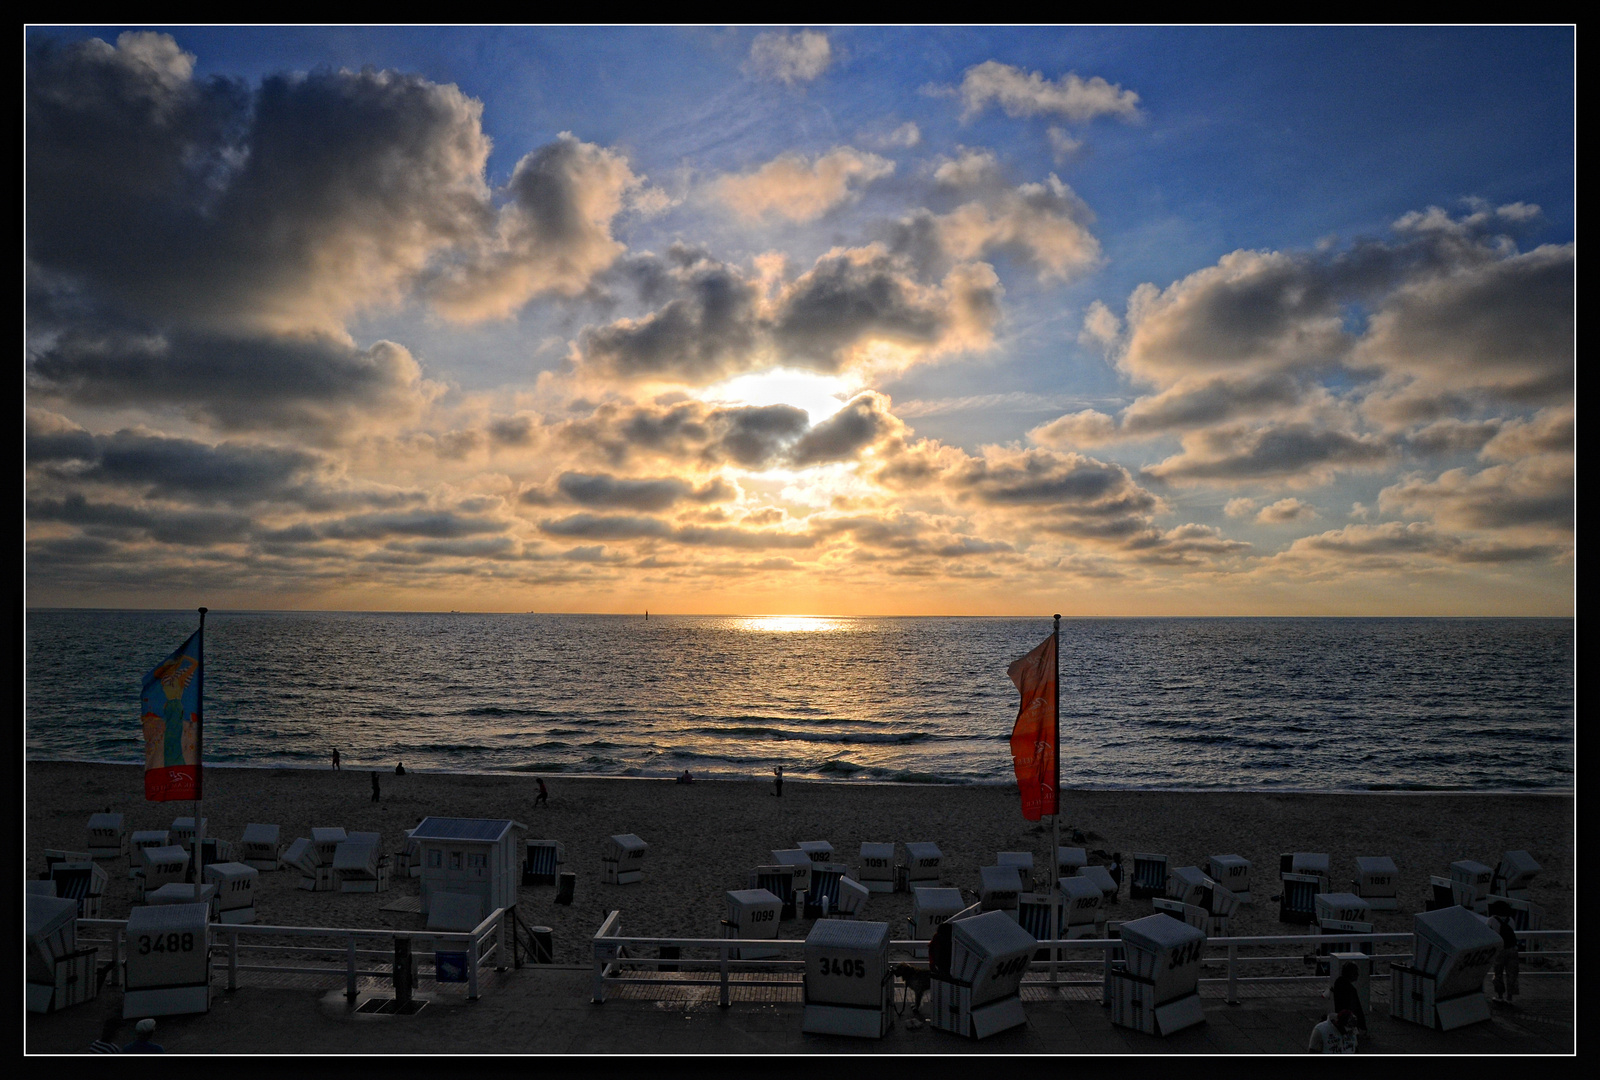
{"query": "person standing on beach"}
(374, 785)
(1506, 962)
(1346, 998)
(335, 759)
(777, 781)
(543, 798)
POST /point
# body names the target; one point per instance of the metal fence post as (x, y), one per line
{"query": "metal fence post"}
(723, 999)
(233, 960)
(472, 968)
(350, 969)
(1233, 974)
(116, 956)
(500, 945)
(599, 997)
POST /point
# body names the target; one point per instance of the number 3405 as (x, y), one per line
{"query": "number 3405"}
(832, 965)
(163, 943)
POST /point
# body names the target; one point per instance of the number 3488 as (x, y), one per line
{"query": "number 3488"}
(165, 943)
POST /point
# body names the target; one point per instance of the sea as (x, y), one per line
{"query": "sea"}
(1353, 704)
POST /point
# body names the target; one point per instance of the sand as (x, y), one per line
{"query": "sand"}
(704, 838)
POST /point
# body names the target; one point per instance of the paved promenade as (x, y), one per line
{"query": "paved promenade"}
(547, 1010)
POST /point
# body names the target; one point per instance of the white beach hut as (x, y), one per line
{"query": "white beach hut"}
(877, 867)
(800, 861)
(1149, 876)
(260, 848)
(1443, 985)
(998, 888)
(752, 915)
(160, 866)
(924, 861)
(57, 972)
(1023, 861)
(473, 856)
(976, 991)
(847, 988)
(236, 890)
(1157, 992)
(1377, 882)
(817, 850)
(176, 977)
(622, 860)
(107, 836)
(1232, 872)
(1515, 873)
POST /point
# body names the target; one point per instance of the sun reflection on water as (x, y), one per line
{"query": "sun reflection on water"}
(787, 624)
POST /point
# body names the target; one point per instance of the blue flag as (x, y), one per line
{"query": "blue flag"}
(170, 700)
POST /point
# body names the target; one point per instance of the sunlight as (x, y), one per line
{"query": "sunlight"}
(819, 395)
(787, 624)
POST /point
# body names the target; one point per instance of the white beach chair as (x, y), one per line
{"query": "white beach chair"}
(235, 883)
(107, 836)
(1442, 987)
(818, 851)
(622, 860)
(752, 915)
(1069, 859)
(931, 906)
(848, 989)
(1515, 873)
(802, 866)
(1102, 879)
(161, 866)
(1377, 882)
(777, 879)
(138, 841)
(924, 862)
(1188, 884)
(177, 978)
(1157, 991)
(852, 899)
(877, 867)
(1149, 876)
(822, 895)
(1232, 872)
(57, 973)
(542, 862)
(979, 992)
(1305, 862)
(1470, 884)
(260, 847)
(326, 841)
(356, 864)
(998, 888)
(1298, 902)
(186, 893)
(84, 882)
(1023, 861)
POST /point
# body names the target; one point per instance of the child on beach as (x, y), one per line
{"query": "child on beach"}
(543, 798)
(777, 781)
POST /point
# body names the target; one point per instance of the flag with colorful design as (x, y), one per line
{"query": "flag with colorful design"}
(171, 698)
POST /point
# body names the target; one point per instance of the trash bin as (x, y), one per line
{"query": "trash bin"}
(667, 952)
(450, 967)
(565, 883)
(544, 944)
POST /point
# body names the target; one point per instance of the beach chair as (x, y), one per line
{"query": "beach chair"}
(998, 888)
(1298, 904)
(818, 851)
(1102, 879)
(325, 842)
(358, 866)
(1033, 915)
(853, 897)
(1149, 876)
(977, 992)
(301, 856)
(752, 916)
(235, 883)
(57, 973)
(1189, 884)
(138, 841)
(1377, 882)
(1470, 884)
(543, 861)
(1069, 859)
(622, 860)
(1305, 862)
(779, 881)
(161, 866)
(1232, 872)
(84, 882)
(877, 867)
(1023, 861)
(1442, 987)
(177, 978)
(931, 906)
(802, 866)
(822, 896)
(1515, 873)
(923, 864)
(408, 860)
(1156, 989)
(183, 892)
(183, 831)
(52, 856)
(1441, 893)
(107, 836)
(847, 987)
(1343, 913)
(259, 847)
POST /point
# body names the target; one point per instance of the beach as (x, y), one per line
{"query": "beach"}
(705, 837)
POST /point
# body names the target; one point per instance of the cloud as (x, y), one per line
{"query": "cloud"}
(1022, 93)
(1239, 507)
(1299, 453)
(792, 187)
(1401, 546)
(971, 168)
(1100, 326)
(1550, 431)
(905, 136)
(1062, 145)
(686, 432)
(553, 235)
(789, 58)
(1531, 493)
(1088, 427)
(1045, 225)
(1284, 511)
(649, 495)
(841, 437)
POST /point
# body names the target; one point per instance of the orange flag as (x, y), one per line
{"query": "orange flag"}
(1033, 739)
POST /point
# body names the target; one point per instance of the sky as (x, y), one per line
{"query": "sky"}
(801, 320)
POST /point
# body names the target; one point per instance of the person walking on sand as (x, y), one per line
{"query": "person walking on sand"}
(777, 781)
(336, 759)
(374, 785)
(543, 798)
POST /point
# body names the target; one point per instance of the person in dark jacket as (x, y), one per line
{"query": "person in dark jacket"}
(1506, 962)
(374, 785)
(141, 1043)
(1346, 998)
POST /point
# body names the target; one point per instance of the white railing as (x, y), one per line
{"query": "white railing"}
(612, 959)
(485, 943)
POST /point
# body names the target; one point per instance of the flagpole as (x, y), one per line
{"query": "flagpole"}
(1055, 818)
(199, 759)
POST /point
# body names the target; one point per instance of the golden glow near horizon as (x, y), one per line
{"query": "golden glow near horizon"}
(789, 624)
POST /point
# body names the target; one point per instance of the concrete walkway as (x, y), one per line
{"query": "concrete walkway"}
(547, 1010)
